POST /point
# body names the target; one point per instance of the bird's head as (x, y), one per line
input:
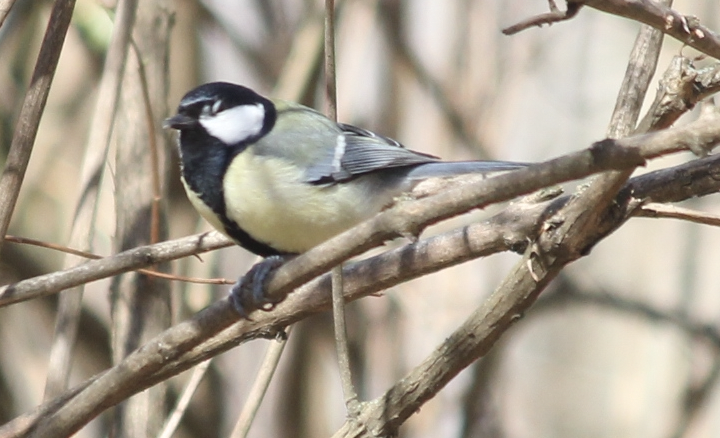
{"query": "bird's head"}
(230, 113)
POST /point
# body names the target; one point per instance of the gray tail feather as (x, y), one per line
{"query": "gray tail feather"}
(443, 169)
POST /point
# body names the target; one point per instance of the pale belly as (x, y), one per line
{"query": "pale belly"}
(278, 210)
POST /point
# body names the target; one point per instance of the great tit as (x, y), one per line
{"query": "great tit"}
(279, 178)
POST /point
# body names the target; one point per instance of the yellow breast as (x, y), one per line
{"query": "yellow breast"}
(266, 197)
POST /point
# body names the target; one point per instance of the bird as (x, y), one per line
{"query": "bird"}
(279, 178)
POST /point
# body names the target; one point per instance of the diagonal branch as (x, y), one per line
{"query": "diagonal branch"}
(29, 119)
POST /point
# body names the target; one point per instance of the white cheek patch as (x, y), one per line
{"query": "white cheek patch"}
(235, 125)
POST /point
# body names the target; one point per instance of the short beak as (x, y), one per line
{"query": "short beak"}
(179, 121)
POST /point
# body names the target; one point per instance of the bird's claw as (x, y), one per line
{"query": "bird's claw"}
(248, 293)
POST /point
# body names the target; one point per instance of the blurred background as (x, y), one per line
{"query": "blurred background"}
(440, 77)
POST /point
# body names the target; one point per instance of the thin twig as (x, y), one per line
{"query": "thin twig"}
(88, 255)
(330, 81)
(657, 210)
(352, 403)
(659, 15)
(338, 299)
(26, 129)
(260, 385)
(554, 16)
(125, 261)
(582, 215)
(173, 420)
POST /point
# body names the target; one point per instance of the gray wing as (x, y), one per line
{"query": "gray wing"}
(357, 152)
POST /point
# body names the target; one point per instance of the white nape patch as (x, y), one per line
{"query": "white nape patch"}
(235, 124)
(339, 152)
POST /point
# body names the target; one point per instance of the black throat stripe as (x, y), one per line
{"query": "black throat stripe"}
(204, 163)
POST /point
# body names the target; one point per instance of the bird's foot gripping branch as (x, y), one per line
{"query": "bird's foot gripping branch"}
(248, 294)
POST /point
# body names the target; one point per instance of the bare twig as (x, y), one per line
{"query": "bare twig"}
(340, 327)
(126, 261)
(699, 137)
(693, 179)
(27, 126)
(173, 420)
(330, 81)
(554, 16)
(260, 385)
(657, 210)
(87, 255)
(341, 342)
(582, 216)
